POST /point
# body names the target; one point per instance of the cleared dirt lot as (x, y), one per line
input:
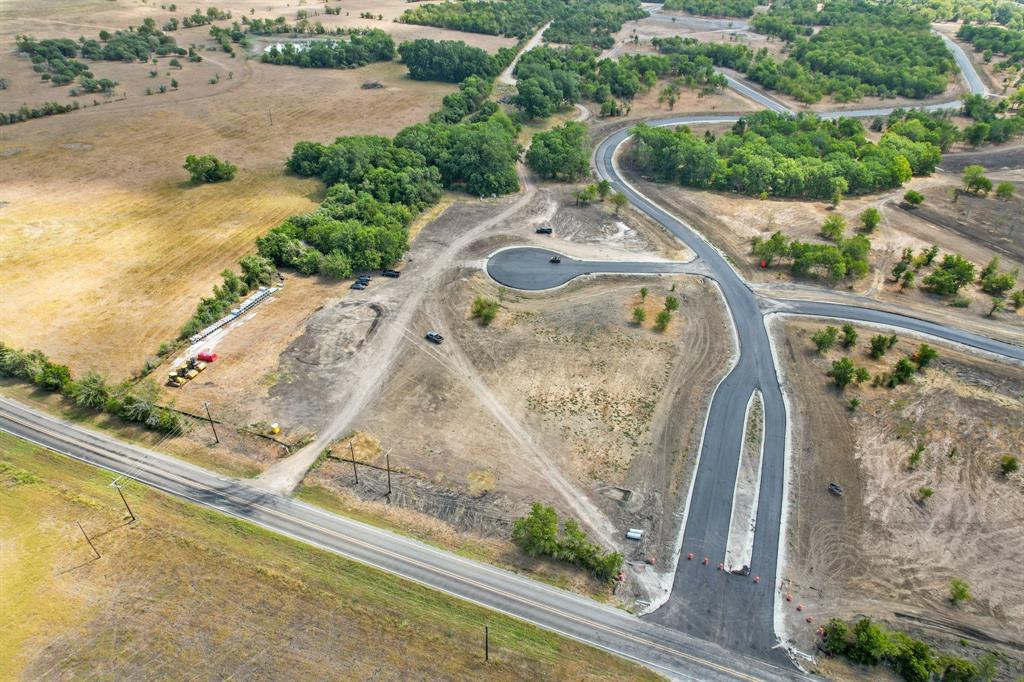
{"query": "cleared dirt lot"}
(879, 550)
(101, 235)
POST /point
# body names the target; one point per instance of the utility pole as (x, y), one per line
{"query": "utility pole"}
(87, 538)
(119, 492)
(387, 460)
(352, 453)
(207, 406)
(487, 643)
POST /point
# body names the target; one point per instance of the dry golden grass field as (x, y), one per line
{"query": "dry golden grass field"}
(105, 247)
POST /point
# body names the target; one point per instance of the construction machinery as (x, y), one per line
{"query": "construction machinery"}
(185, 372)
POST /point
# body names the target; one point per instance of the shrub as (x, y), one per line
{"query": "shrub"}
(959, 591)
(975, 181)
(1009, 464)
(824, 339)
(484, 309)
(662, 319)
(833, 228)
(639, 315)
(870, 218)
(1005, 190)
(671, 303)
(913, 198)
(537, 534)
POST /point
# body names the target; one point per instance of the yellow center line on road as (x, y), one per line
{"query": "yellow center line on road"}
(376, 548)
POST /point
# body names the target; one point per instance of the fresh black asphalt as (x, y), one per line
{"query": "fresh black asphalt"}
(530, 269)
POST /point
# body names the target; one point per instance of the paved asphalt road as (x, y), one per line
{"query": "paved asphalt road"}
(531, 269)
(731, 610)
(731, 615)
(667, 651)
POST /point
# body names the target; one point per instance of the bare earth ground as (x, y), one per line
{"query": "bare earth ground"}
(878, 551)
(188, 593)
(117, 259)
(978, 228)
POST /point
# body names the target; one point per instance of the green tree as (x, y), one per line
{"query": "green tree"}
(537, 533)
(836, 637)
(824, 339)
(643, 293)
(619, 201)
(776, 246)
(671, 303)
(639, 315)
(869, 219)
(834, 227)
(842, 372)
(924, 356)
(604, 188)
(336, 266)
(907, 281)
(257, 270)
(662, 319)
(959, 591)
(1005, 191)
(208, 168)
(953, 272)
(870, 643)
(91, 391)
(880, 345)
(561, 153)
(975, 181)
(849, 335)
(913, 198)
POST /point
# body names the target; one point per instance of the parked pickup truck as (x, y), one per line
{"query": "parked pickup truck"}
(434, 337)
(391, 273)
(544, 230)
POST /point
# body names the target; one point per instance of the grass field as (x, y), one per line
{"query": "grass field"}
(186, 589)
(105, 248)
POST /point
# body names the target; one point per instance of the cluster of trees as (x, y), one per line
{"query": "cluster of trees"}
(197, 18)
(994, 40)
(863, 49)
(713, 8)
(562, 153)
(870, 644)
(256, 271)
(770, 154)
(135, 44)
(361, 48)
(954, 272)
(27, 114)
(54, 59)
(451, 61)
(208, 168)
(989, 126)
(586, 22)
(844, 371)
(550, 78)
(471, 99)
(131, 402)
(1005, 12)
(538, 535)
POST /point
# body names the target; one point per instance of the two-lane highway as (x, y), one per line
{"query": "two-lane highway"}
(667, 651)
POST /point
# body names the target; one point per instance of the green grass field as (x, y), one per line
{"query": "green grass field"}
(188, 592)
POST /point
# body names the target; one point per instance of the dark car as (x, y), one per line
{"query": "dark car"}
(391, 273)
(556, 259)
(544, 230)
(835, 489)
(434, 337)
(359, 285)
(363, 278)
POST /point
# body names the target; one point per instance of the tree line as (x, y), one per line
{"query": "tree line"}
(451, 61)
(24, 113)
(994, 39)
(538, 535)
(131, 402)
(586, 22)
(713, 8)
(771, 154)
(360, 49)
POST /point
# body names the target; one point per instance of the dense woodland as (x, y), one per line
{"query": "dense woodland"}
(768, 154)
(361, 48)
(713, 8)
(587, 22)
(550, 78)
(451, 61)
(991, 40)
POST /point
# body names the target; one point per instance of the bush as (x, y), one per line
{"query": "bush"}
(1009, 465)
(1005, 190)
(485, 309)
(639, 315)
(959, 591)
(537, 534)
(975, 181)
(662, 319)
(870, 218)
(913, 198)
(824, 339)
(953, 272)
(208, 168)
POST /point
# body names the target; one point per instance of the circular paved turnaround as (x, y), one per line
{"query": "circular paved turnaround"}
(530, 269)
